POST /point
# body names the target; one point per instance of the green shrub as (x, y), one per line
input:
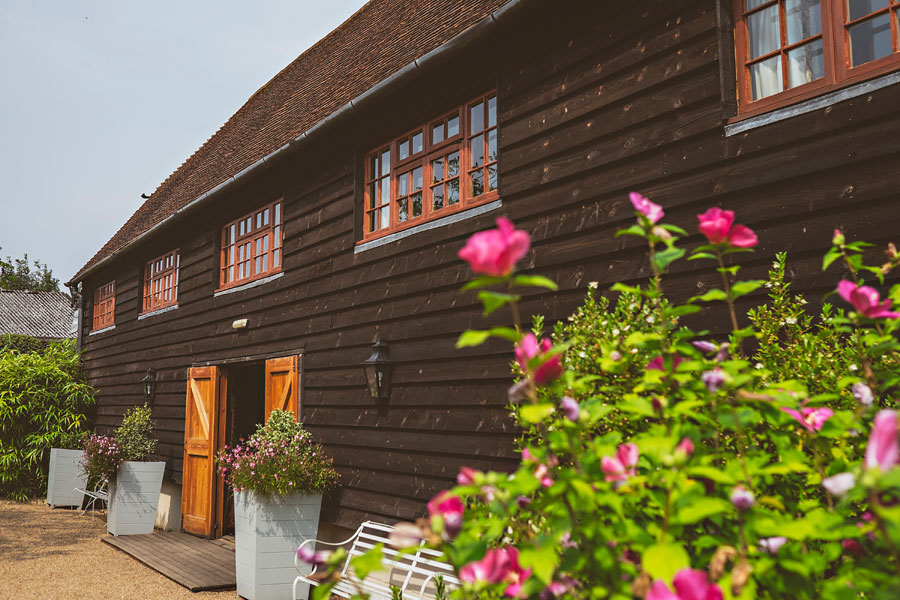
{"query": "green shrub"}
(43, 399)
(15, 342)
(135, 435)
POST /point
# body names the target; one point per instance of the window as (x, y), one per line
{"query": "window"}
(251, 246)
(789, 50)
(442, 166)
(104, 306)
(161, 282)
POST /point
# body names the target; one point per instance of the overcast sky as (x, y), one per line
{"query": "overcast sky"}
(101, 100)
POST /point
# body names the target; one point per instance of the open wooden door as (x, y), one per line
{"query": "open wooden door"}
(199, 471)
(282, 385)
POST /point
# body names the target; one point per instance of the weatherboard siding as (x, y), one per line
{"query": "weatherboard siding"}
(592, 105)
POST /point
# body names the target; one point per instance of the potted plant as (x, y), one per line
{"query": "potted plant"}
(134, 482)
(65, 473)
(278, 476)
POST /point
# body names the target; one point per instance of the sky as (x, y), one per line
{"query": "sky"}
(100, 101)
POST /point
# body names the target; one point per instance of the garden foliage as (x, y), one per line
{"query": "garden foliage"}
(43, 399)
(132, 440)
(280, 458)
(660, 463)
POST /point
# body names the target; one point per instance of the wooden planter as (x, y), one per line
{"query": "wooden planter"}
(134, 497)
(267, 533)
(65, 475)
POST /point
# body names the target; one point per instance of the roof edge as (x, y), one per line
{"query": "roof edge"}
(424, 63)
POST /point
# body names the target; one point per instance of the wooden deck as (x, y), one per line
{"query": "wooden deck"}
(193, 562)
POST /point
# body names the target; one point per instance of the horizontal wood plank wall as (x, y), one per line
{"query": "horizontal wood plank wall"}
(601, 100)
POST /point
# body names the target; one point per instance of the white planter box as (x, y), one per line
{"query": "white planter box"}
(267, 533)
(65, 475)
(134, 497)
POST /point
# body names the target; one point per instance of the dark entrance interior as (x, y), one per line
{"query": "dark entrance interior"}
(245, 408)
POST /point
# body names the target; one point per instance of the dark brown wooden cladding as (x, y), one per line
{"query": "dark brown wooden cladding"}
(595, 101)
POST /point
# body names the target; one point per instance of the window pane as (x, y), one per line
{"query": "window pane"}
(765, 77)
(870, 40)
(437, 197)
(804, 19)
(437, 132)
(372, 224)
(751, 4)
(476, 146)
(276, 255)
(492, 111)
(403, 150)
(453, 165)
(402, 209)
(417, 179)
(385, 216)
(453, 126)
(492, 177)
(861, 8)
(806, 63)
(417, 143)
(476, 118)
(385, 162)
(385, 190)
(416, 204)
(764, 32)
(373, 195)
(278, 213)
(477, 180)
(492, 145)
(403, 185)
(437, 170)
(373, 167)
(453, 191)
(277, 237)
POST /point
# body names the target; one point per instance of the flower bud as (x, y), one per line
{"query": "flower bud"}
(837, 239)
(742, 498)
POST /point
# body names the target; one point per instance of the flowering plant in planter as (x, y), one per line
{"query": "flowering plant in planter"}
(280, 458)
(132, 441)
(102, 456)
(662, 464)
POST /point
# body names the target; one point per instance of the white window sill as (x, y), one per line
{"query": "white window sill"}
(104, 330)
(454, 218)
(813, 104)
(249, 284)
(158, 311)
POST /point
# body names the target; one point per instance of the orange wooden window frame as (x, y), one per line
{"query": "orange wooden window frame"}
(104, 312)
(252, 246)
(161, 282)
(838, 72)
(398, 181)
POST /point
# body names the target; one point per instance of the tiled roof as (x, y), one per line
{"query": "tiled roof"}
(38, 314)
(377, 41)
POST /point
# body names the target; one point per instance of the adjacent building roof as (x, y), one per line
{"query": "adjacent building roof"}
(44, 315)
(377, 41)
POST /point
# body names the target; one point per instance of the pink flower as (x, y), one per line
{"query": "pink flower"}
(811, 418)
(548, 368)
(838, 485)
(621, 466)
(686, 446)
(447, 510)
(865, 300)
(689, 585)
(883, 451)
(570, 408)
(466, 475)
(718, 227)
(495, 252)
(658, 363)
(651, 210)
(499, 565)
(772, 544)
(853, 547)
(308, 555)
(742, 498)
(713, 379)
(704, 346)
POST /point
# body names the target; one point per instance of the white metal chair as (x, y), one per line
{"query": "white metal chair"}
(412, 572)
(100, 493)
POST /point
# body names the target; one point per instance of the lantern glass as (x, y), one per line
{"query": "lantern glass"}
(377, 369)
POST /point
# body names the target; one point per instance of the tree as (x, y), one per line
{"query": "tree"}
(18, 274)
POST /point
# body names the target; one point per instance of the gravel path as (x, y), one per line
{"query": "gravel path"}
(55, 554)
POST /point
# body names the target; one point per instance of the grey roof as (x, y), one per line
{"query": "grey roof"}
(45, 315)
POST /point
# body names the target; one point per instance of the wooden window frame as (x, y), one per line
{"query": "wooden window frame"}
(431, 152)
(838, 73)
(104, 309)
(262, 243)
(161, 280)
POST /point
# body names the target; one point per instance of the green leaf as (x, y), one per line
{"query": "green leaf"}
(472, 337)
(830, 257)
(742, 288)
(543, 559)
(662, 561)
(666, 257)
(710, 296)
(684, 309)
(702, 508)
(368, 562)
(535, 413)
(633, 230)
(536, 281)
(713, 474)
(621, 287)
(673, 228)
(482, 282)
(698, 255)
(495, 300)
(323, 591)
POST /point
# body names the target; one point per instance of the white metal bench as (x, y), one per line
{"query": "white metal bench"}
(413, 573)
(100, 493)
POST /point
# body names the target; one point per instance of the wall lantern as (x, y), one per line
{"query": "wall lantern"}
(378, 370)
(148, 384)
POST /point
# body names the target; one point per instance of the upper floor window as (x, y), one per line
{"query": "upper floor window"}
(442, 166)
(251, 246)
(161, 282)
(104, 306)
(788, 50)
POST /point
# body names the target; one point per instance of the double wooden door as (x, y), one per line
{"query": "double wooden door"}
(204, 435)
